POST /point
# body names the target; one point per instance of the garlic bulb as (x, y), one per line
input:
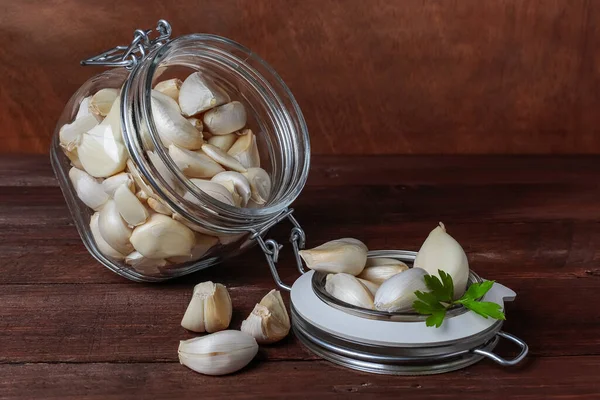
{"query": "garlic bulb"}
(269, 321)
(398, 292)
(209, 310)
(172, 127)
(131, 209)
(103, 246)
(169, 87)
(245, 150)
(349, 289)
(88, 189)
(223, 158)
(194, 164)
(101, 102)
(224, 142)
(162, 237)
(112, 183)
(442, 251)
(239, 185)
(342, 255)
(225, 119)
(100, 153)
(378, 270)
(114, 229)
(202, 245)
(218, 354)
(199, 93)
(260, 185)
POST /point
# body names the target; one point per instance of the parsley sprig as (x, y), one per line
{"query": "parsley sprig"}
(439, 299)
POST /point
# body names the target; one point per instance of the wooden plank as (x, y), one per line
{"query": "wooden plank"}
(140, 323)
(546, 378)
(371, 77)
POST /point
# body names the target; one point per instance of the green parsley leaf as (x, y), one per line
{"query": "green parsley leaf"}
(439, 288)
(436, 318)
(477, 290)
(485, 309)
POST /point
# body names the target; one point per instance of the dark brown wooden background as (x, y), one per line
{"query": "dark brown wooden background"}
(372, 77)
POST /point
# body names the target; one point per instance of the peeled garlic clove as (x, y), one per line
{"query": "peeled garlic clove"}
(102, 101)
(199, 93)
(88, 189)
(146, 266)
(209, 310)
(349, 289)
(162, 237)
(131, 209)
(100, 154)
(240, 184)
(369, 285)
(194, 164)
(84, 110)
(169, 87)
(159, 206)
(197, 123)
(218, 354)
(379, 273)
(113, 118)
(260, 185)
(269, 321)
(70, 135)
(398, 292)
(442, 251)
(102, 245)
(225, 119)
(224, 142)
(114, 229)
(172, 127)
(112, 183)
(223, 158)
(202, 245)
(245, 150)
(214, 190)
(342, 255)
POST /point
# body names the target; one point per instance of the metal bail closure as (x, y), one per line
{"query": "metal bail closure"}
(140, 47)
(271, 248)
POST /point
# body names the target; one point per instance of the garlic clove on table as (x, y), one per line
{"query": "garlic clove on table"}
(209, 309)
(269, 321)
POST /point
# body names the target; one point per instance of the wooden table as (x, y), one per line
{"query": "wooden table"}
(70, 328)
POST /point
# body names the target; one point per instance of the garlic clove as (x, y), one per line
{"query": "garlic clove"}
(199, 93)
(245, 150)
(269, 321)
(172, 127)
(100, 154)
(169, 87)
(84, 110)
(342, 255)
(102, 245)
(379, 273)
(369, 285)
(101, 102)
(209, 310)
(114, 229)
(131, 209)
(384, 261)
(88, 189)
(159, 206)
(70, 135)
(224, 142)
(442, 251)
(202, 245)
(260, 185)
(164, 171)
(214, 190)
(113, 118)
(112, 183)
(225, 119)
(349, 289)
(74, 158)
(194, 164)
(237, 199)
(223, 158)
(143, 265)
(139, 181)
(197, 123)
(241, 186)
(162, 237)
(398, 292)
(221, 353)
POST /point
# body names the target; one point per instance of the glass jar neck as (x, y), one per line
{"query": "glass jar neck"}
(281, 128)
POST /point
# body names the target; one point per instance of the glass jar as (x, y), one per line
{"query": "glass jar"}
(273, 113)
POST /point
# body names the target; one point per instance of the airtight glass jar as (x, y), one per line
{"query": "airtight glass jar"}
(220, 230)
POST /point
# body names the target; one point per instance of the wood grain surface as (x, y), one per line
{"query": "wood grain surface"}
(71, 329)
(372, 77)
